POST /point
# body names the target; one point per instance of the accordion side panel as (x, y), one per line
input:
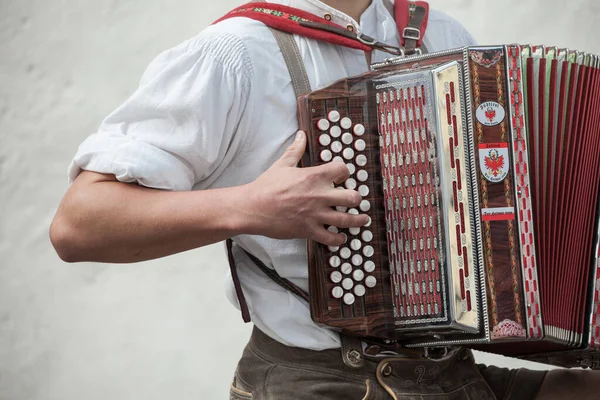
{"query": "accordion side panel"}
(454, 185)
(501, 241)
(520, 159)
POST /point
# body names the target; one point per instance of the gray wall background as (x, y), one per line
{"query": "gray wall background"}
(162, 329)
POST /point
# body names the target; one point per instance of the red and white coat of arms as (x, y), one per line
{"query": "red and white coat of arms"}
(494, 161)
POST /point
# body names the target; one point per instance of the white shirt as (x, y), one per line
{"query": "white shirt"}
(217, 111)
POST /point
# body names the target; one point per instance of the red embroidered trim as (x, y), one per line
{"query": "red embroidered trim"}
(288, 19)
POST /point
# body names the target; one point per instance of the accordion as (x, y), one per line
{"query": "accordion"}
(479, 169)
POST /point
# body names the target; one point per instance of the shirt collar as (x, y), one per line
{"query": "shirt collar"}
(323, 10)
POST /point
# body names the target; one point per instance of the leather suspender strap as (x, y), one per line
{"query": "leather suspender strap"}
(301, 85)
(293, 60)
(236, 282)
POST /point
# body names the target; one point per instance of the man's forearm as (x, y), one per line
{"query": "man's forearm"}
(103, 220)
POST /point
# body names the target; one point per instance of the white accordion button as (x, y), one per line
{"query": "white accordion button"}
(359, 290)
(355, 244)
(345, 253)
(346, 123)
(333, 229)
(368, 224)
(367, 236)
(359, 129)
(349, 299)
(353, 211)
(335, 277)
(363, 190)
(336, 147)
(334, 261)
(354, 231)
(348, 153)
(370, 281)
(368, 251)
(333, 249)
(350, 184)
(362, 175)
(325, 139)
(346, 269)
(369, 266)
(360, 145)
(347, 283)
(337, 292)
(365, 206)
(361, 160)
(351, 168)
(347, 138)
(357, 260)
(341, 209)
(358, 275)
(323, 124)
(335, 131)
(338, 159)
(326, 155)
(334, 116)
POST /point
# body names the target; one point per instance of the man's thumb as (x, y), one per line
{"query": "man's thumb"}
(294, 153)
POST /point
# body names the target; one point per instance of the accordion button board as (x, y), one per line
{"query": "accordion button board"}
(407, 246)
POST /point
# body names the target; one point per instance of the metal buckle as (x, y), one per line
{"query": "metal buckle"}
(415, 52)
(370, 42)
(416, 33)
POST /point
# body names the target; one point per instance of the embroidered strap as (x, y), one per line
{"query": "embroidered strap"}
(299, 22)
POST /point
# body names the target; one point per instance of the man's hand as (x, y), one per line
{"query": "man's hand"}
(289, 202)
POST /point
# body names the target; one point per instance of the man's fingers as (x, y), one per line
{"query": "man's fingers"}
(328, 238)
(342, 197)
(342, 219)
(334, 171)
(294, 153)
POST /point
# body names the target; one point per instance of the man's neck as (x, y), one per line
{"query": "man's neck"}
(353, 8)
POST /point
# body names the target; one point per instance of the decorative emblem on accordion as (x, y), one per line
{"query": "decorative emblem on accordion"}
(478, 168)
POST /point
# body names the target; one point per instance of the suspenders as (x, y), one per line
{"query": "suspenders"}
(412, 40)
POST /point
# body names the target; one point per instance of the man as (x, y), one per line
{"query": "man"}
(206, 149)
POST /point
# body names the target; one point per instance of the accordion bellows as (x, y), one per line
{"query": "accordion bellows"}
(479, 168)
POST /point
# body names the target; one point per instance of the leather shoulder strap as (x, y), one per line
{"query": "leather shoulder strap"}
(293, 60)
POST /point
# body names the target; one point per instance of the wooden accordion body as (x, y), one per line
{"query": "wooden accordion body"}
(479, 168)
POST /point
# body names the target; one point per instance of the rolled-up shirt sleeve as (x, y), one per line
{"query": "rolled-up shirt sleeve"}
(178, 127)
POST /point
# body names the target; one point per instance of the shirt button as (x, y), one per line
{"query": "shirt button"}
(328, 17)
